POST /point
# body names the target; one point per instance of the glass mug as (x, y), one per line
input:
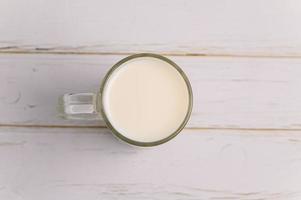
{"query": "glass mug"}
(144, 99)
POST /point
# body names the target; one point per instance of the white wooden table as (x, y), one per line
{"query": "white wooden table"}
(244, 62)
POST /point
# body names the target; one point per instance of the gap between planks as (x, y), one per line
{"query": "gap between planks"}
(54, 52)
(187, 128)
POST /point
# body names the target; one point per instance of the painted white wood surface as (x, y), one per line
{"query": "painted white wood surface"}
(229, 27)
(248, 93)
(246, 122)
(91, 164)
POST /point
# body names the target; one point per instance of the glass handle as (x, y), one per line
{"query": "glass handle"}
(79, 106)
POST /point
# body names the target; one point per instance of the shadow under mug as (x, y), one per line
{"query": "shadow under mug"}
(90, 106)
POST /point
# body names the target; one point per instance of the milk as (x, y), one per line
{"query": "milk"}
(146, 99)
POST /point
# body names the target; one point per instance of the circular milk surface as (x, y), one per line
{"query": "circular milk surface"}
(146, 99)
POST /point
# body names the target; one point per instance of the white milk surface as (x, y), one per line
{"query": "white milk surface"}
(146, 99)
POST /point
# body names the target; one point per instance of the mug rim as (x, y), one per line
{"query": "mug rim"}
(120, 135)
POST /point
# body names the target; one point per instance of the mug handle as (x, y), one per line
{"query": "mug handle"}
(81, 106)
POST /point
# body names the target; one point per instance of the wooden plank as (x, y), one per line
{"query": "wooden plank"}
(239, 93)
(258, 28)
(91, 164)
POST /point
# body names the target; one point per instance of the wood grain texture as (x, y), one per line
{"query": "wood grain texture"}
(240, 93)
(256, 28)
(243, 139)
(91, 164)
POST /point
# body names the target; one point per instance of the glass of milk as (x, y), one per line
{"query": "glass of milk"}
(144, 99)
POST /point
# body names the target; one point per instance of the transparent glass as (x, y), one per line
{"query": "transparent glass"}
(79, 106)
(89, 106)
